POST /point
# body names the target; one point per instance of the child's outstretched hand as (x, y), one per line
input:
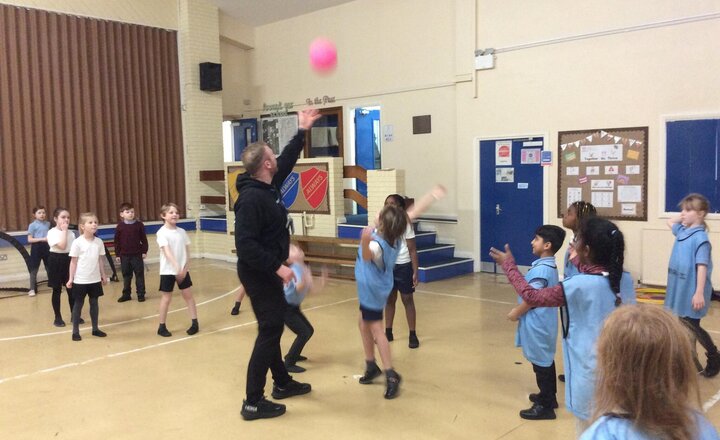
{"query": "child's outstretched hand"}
(514, 314)
(500, 256)
(698, 301)
(438, 192)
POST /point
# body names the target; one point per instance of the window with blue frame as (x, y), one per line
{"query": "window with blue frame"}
(692, 161)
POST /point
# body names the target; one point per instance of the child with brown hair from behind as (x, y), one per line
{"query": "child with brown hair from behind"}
(377, 255)
(131, 247)
(646, 384)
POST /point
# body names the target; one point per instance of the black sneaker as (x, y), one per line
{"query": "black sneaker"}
(164, 332)
(370, 374)
(392, 385)
(414, 342)
(124, 298)
(235, 311)
(263, 409)
(295, 368)
(538, 412)
(99, 333)
(59, 322)
(76, 337)
(713, 365)
(292, 388)
(194, 328)
(141, 298)
(534, 399)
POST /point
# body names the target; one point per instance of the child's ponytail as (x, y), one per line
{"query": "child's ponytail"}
(607, 249)
(617, 258)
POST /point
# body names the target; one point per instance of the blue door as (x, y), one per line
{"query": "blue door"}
(367, 149)
(244, 134)
(511, 197)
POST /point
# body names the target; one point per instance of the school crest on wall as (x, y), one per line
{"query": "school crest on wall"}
(306, 188)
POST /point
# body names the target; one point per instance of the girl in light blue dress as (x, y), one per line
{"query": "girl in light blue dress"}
(646, 382)
(688, 286)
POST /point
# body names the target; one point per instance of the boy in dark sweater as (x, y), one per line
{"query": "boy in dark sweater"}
(131, 248)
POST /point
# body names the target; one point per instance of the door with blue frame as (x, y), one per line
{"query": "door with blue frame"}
(511, 198)
(367, 148)
(244, 134)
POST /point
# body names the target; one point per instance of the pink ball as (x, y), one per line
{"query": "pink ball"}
(323, 55)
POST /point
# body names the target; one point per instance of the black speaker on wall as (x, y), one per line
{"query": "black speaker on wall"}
(210, 77)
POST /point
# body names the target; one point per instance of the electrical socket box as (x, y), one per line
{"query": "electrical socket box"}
(483, 62)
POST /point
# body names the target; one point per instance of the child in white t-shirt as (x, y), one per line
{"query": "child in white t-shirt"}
(87, 273)
(60, 239)
(174, 264)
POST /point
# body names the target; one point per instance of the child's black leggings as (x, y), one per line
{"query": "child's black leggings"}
(700, 334)
(56, 294)
(77, 309)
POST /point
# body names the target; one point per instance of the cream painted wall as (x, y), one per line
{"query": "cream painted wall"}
(157, 13)
(624, 80)
(236, 80)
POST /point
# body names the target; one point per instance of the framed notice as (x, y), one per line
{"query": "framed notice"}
(277, 131)
(606, 167)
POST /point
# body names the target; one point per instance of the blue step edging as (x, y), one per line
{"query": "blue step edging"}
(435, 253)
(448, 269)
(213, 224)
(107, 232)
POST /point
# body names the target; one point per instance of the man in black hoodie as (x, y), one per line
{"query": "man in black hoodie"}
(262, 241)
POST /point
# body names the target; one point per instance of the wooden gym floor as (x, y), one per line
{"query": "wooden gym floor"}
(466, 381)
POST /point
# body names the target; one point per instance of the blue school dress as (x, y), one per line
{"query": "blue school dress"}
(373, 283)
(611, 427)
(588, 301)
(691, 247)
(537, 329)
(569, 269)
(293, 296)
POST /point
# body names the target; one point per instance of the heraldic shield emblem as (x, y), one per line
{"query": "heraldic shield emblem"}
(289, 189)
(314, 186)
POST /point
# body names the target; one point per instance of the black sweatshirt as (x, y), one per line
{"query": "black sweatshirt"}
(262, 239)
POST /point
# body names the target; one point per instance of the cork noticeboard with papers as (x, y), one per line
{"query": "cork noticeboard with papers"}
(606, 167)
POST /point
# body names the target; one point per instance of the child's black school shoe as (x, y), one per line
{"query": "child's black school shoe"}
(292, 388)
(59, 322)
(713, 365)
(76, 337)
(194, 328)
(236, 309)
(99, 333)
(141, 298)
(392, 384)
(538, 412)
(371, 373)
(124, 298)
(389, 334)
(263, 409)
(534, 399)
(413, 341)
(292, 368)
(301, 358)
(163, 331)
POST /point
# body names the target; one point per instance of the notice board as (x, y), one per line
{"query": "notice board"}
(606, 167)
